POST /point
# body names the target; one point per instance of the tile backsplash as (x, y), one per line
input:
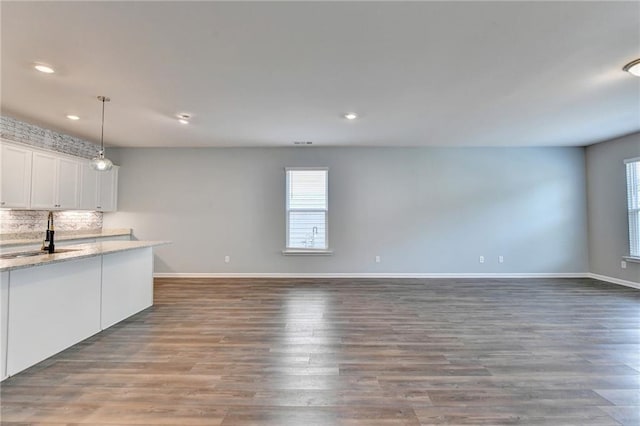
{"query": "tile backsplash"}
(29, 134)
(14, 221)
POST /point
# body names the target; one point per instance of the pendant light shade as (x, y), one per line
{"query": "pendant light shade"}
(633, 68)
(100, 162)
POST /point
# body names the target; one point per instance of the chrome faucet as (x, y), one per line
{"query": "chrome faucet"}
(48, 244)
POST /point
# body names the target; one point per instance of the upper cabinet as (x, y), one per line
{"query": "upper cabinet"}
(34, 179)
(54, 182)
(108, 190)
(99, 190)
(88, 187)
(15, 176)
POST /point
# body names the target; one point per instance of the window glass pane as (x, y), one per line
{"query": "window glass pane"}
(307, 230)
(307, 189)
(633, 184)
(633, 199)
(634, 233)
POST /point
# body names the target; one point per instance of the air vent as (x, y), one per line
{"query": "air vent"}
(302, 142)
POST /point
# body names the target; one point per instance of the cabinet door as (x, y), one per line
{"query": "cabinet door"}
(4, 322)
(107, 190)
(127, 284)
(88, 187)
(68, 183)
(52, 307)
(44, 181)
(15, 177)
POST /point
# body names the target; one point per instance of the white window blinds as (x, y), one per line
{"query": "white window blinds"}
(633, 202)
(307, 208)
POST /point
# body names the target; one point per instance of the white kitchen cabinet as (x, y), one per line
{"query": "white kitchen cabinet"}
(43, 180)
(52, 307)
(15, 176)
(68, 183)
(54, 182)
(49, 307)
(127, 284)
(4, 322)
(98, 190)
(108, 190)
(88, 187)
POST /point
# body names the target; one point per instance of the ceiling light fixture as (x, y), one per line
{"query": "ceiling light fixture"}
(183, 118)
(44, 68)
(351, 116)
(73, 117)
(633, 67)
(100, 162)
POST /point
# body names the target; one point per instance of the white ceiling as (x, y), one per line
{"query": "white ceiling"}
(270, 73)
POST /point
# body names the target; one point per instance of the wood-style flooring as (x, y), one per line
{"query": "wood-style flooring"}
(350, 352)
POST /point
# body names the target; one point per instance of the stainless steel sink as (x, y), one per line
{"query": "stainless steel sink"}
(19, 255)
(32, 253)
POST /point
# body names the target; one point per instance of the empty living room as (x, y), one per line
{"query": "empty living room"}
(320, 213)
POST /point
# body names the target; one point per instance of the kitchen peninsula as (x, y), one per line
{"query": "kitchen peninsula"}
(49, 302)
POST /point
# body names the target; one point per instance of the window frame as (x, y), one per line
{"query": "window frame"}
(298, 250)
(630, 211)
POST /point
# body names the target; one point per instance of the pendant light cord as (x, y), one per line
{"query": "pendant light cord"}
(103, 99)
(102, 131)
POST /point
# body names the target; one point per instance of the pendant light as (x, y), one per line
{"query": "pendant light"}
(633, 68)
(100, 162)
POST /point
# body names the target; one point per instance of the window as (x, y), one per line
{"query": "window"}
(307, 209)
(633, 202)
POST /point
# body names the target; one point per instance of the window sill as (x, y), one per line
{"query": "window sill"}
(306, 252)
(631, 259)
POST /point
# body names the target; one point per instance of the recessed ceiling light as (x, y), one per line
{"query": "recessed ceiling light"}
(633, 67)
(184, 118)
(351, 116)
(73, 117)
(44, 68)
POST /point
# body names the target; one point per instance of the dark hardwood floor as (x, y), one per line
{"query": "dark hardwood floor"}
(350, 352)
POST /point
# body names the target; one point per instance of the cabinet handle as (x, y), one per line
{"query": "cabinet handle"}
(98, 207)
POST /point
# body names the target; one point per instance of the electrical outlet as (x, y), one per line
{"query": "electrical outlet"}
(623, 264)
(500, 259)
(377, 259)
(227, 259)
(481, 259)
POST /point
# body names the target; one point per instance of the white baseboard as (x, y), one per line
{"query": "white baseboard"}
(366, 275)
(394, 275)
(615, 280)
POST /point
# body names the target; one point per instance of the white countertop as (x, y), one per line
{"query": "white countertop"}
(80, 251)
(24, 238)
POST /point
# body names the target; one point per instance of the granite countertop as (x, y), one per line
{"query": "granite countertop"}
(80, 251)
(23, 238)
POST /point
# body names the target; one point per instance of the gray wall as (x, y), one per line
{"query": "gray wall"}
(607, 207)
(423, 210)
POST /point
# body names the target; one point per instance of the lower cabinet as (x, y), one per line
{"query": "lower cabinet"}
(4, 322)
(51, 307)
(46, 309)
(127, 284)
